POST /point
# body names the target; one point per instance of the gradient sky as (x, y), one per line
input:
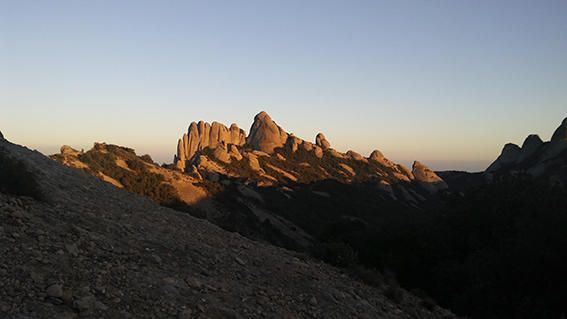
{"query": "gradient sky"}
(446, 82)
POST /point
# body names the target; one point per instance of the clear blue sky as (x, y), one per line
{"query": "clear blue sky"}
(446, 82)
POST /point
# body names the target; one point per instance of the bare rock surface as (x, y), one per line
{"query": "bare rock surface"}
(322, 142)
(95, 251)
(560, 133)
(510, 154)
(531, 145)
(427, 178)
(204, 135)
(265, 134)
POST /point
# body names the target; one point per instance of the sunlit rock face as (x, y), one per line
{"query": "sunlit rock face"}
(265, 134)
(203, 135)
(427, 178)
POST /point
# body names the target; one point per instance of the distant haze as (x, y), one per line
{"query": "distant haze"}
(444, 82)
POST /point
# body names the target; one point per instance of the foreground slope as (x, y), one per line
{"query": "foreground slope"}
(94, 250)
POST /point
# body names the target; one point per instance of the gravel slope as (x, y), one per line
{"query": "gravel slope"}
(93, 250)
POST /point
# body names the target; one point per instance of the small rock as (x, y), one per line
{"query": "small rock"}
(85, 303)
(72, 249)
(240, 261)
(313, 301)
(100, 306)
(185, 314)
(55, 291)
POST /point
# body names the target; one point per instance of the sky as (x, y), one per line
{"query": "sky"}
(444, 82)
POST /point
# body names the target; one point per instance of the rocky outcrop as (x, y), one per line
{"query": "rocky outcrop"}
(427, 178)
(265, 134)
(1, 136)
(378, 157)
(204, 135)
(221, 153)
(68, 150)
(531, 145)
(321, 141)
(560, 133)
(355, 156)
(510, 154)
(535, 158)
(292, 143)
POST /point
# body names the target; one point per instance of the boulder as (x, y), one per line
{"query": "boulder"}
(318, 151)
(234, 152)
(355, 156)
(335, 153)
(307, 146)
(220, 153)
(265, 134)
(292, 143)
(322, 142)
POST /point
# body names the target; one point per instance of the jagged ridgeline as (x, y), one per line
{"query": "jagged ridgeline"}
(269, 155)
(535, 158)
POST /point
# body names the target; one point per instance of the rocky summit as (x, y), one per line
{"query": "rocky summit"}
(536, 158)
(269, 155)
(265, 134)
(77, 246)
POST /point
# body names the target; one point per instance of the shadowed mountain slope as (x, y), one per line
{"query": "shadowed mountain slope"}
(94, 250)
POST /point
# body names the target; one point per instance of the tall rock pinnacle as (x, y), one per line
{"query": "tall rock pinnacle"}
(204, 135)
(265, 135)
(322, 142)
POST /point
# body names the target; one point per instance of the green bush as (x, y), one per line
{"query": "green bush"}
(17, 179)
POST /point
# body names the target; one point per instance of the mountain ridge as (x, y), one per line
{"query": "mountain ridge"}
(92, 249)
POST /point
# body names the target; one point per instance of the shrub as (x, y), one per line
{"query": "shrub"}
(394, 293)
(369, 276)
(17, 179)
(336, 253)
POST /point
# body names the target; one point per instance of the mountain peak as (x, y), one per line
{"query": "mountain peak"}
(265, 135)
(427, 178)
(560, 133)
(322, 142)
(262, 116)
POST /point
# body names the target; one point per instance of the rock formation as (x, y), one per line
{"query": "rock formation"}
(265, 134)
(355, 156)
(560, 133)
(1, 136)
(304, 160)
(427, 178)
(322, 142)
(292, 143)
(204, 135)
(378, 157)
(531, 145)
(509, 155)
(68, 150)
